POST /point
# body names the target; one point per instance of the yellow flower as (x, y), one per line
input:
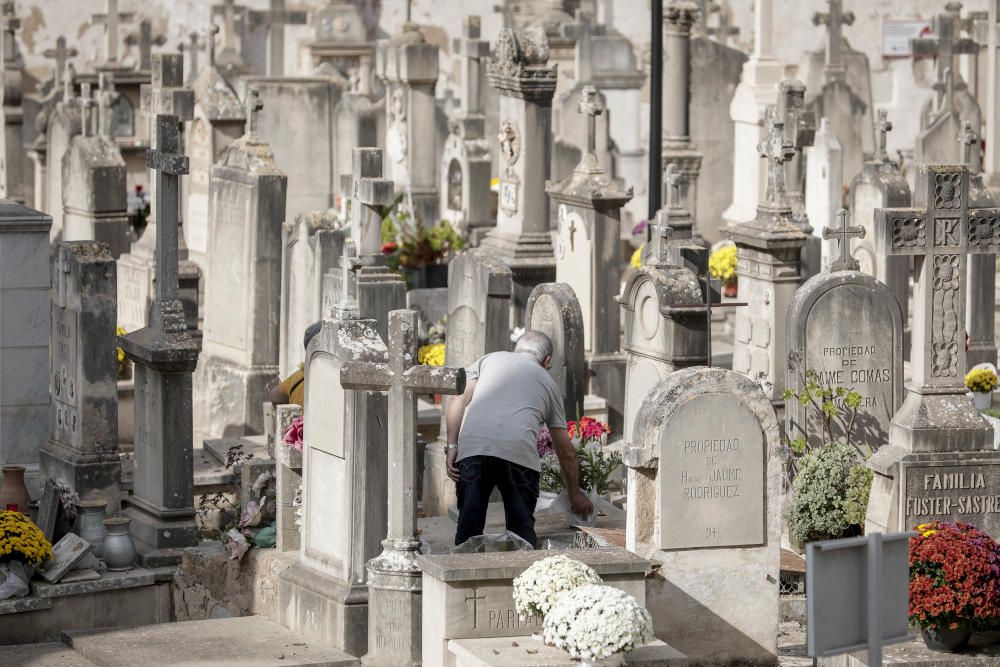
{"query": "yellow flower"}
(636, 260)
(431, 355)
(928, 533)
(722, 264)
(981, 380)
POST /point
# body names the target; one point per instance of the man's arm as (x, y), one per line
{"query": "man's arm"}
(453, 424)
(566, 453)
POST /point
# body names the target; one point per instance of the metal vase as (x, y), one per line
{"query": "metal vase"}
(119, 549)
(90, 524)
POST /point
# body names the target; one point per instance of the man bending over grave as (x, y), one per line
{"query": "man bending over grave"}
(508, 396)
(293, 388)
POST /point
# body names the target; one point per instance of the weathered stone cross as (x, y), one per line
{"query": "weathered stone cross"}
(106, 97)
(230, 13)
(276, 18)
(8, 16)
(146, 41)
(659, 251)
(939, 234)
(883, 126)
(945, 44)
(844, 234)
(590, 104)
(170, 164)
(968, 146)
(833, 20)
(370, 194)
(251, 107)
(474, 599)
(394, 573)
(193, 45)
(110, 18)
(348, 308)
(777, 151)
(472, 50)
(61, 55)
(708, 306)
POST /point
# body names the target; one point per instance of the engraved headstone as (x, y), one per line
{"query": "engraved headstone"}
(705, 489)
(554, 310)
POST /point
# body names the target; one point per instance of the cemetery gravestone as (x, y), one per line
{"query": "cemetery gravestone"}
(705, 504)
(554, 310)
(82, 448)
(246, 210)
(940, 462)
(24, 338)
(479, 292)
(847, 327)
(65, 122)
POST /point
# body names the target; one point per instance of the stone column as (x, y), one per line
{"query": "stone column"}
(678, 18)
(82, 449)
(409, 66)
(526, 84)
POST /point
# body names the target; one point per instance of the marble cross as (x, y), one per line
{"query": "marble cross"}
(276, 18)
(61, 55)
(844, 234)
(777, 151)
(591, 104)
(231, 13)
(251, 106)
(106, 97)
(11, 24)
(145, 41)
(708, 306)
(370, 193)
(110, 19)
(834, 19)
(882, 126)
(939, 234)
(169, 163)
(946, 43)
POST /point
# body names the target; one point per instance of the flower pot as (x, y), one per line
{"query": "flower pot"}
(90, 523)
(13, 492)
(982, 399)
(119, 549)
(730, 290)
(946, 639)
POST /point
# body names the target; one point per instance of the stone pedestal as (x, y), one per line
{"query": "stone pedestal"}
(83, 422)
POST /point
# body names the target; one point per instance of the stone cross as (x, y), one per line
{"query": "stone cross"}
(590, 104)
(69, 75)
(169, 163)
(945, 44)
(708, 306)
(110, 19)
(939, 236)
(369, 194)
(968, 145)
(659, 251)
(193, 45)
(834, 19)
(106, 96)
(473, 51)
(231, 13)
(11, 24)
(883, 126)
(844, 234)
(210, 33)
(276, 18)
(145, 41)
(777, 151)
(61, 55)
(166, 94)
(725, 29)
(87, 113)
(348, 308)
(251, 106)
(394, 573)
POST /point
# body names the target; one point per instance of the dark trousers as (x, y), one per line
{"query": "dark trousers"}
(517, 485)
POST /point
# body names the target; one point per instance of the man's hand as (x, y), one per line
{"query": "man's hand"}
(452, 466)
(580, 504)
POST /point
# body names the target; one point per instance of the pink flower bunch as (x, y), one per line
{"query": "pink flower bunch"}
(293, 434)
(544, 442)
(587, 429)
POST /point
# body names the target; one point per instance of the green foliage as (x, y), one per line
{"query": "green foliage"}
(596, 468)
(991, 412)
(408, 243)
(830, 493)
(833, 407)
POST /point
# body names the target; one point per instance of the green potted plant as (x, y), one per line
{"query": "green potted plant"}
(981, 382)
(419, 252)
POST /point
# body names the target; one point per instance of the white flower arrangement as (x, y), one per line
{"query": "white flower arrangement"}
(595, 622)
(537, 588)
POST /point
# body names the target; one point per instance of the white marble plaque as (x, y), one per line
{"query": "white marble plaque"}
(711, 476)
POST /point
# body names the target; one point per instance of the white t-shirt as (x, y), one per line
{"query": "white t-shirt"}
(514, 396)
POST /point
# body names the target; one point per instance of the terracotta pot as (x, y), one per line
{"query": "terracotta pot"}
(13, 492)
(946, 639)
(730, 290)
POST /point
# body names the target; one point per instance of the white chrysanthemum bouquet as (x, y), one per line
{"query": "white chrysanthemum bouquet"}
(595, 622)
(537, 588)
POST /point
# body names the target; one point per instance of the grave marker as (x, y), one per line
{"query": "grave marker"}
(554, 310)
(276, 17)
(145, 41)
(111, 19)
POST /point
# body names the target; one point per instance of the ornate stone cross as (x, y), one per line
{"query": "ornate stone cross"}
(251, 107)
(777, 151)
(833, 20)
(169, 163)
(882, 126)
(11, 24)
(110, 19)
(844, 234)
(939, 235)
(61, 55)
(145, 41)
(394, 573)
(276, 18)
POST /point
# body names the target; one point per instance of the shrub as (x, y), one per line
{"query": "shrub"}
(829, 495)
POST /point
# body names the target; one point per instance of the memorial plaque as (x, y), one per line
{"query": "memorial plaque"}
(488, 612)
(325, 406)
(711, 476)
(64, 376)
(940, 492)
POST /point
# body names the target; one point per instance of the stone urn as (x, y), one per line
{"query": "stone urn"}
(118, 549)
(13, 493)
(90, 523)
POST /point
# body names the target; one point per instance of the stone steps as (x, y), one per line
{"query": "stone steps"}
(36, 655)
(249, 641)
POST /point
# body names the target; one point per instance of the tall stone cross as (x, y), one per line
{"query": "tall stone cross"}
(169, 163)
(833, 20)
(939, 235)
(11, 24)
(370, 193)
(231, 14)
(145, 42)
(394, 576)
(946, 44)
(276, 18)
(106, 96)
(843, 234)
(777, 150)
(61, 55)
(659, 250)
(252, 107)
(473, 50)
(882, 126)
(591, 104)
(110, 19)
(195, 43)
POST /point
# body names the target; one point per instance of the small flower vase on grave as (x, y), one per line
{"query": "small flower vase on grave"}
(90, 524)
(730, 290)
(13, 493)
(982, 399)
(119, 549)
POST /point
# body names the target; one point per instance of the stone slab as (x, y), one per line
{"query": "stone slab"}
(49, 653)
(474, 567)
(66, 553)
(250, 641)
(252, 444)
(529, 652)
(982, 650)
(18, 605)
(133, 578)
(82, 574)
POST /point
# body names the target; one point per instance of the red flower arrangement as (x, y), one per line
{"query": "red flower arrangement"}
(587, 429)
(954, 577)
(389, 247)
(293, 435)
